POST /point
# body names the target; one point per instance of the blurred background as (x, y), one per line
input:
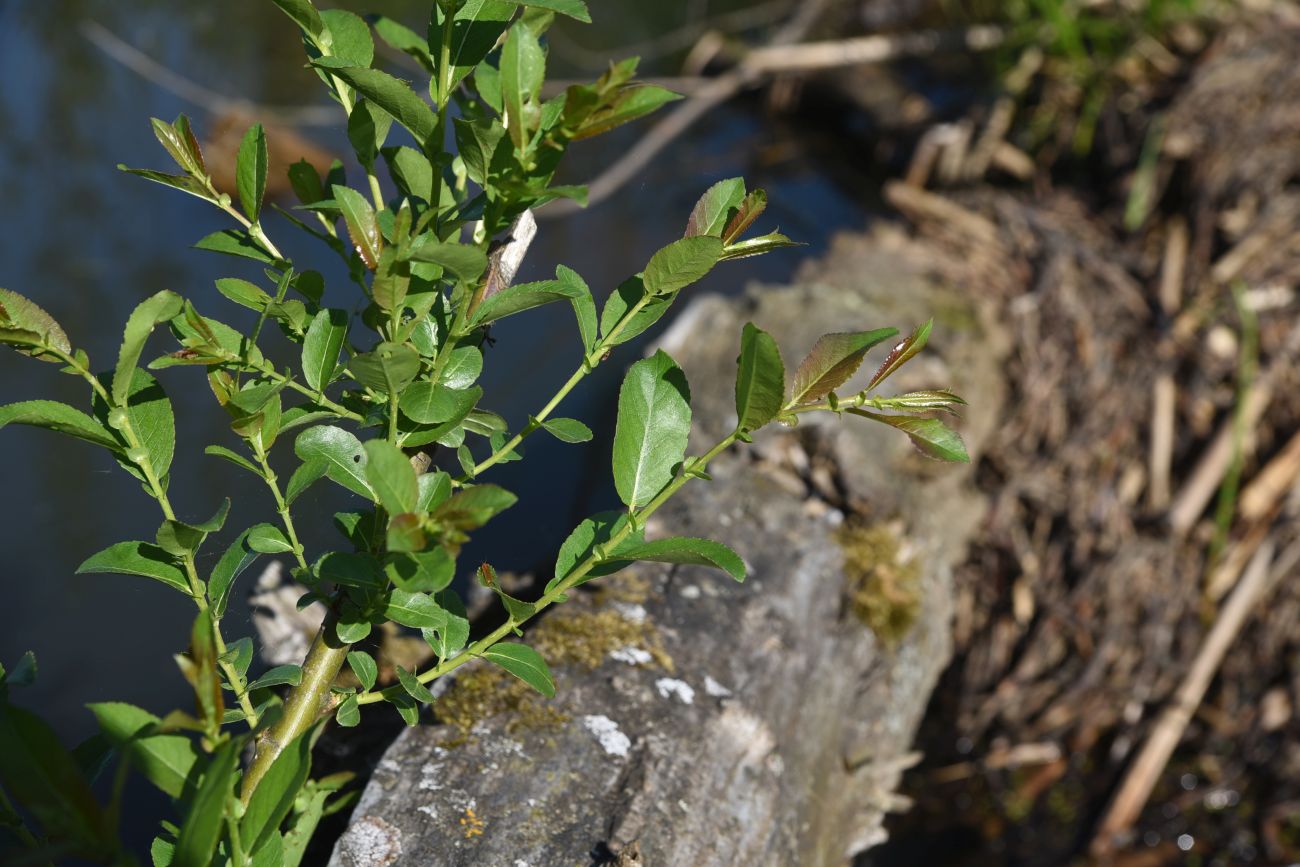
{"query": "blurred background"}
(1150, 145)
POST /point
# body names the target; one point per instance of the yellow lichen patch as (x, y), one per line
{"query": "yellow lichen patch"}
(472, 824)
(626, 586)
(486, 691)
(883, 591)
(586, 638)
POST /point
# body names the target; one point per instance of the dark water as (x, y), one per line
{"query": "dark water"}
(88, 243)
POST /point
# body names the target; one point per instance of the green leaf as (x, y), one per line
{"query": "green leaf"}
(391, 476)
(138, 558)
(203, 822)
(349, 569)
(568, 430)
(19, 317)
(235, 242)
(343, 454)
(304, 477)
(624, 297)
(61, 418)
(388, 368)
(184, 183)
(932, 438)
(268, 539)
(147, 315)
(275, 794)
(681, 549)
(243, 293)
(435, 488)
(43, 777)
(150, 415)
(362, 226)
(474, 507)
(233, 562)
(463, 261)
(525, 296)
(368, 128)
(523, 66)
(630, 103)
(306, 184)
(940, 398)
(760, 379)
(411, 171)
(477, 142)
(475, 29)
(391, 94)
(902, 353)
(178, 139)
(413, 687)
(279, 676)
(681, 263)
(348, 714)
(715, 208)
(450, 638)
(349, 37)
(22, 674)
(833, 359)
(524, 663)
(592, 533)
(364, 667)
(417, 610)
(321, 347)
(422, 572)
(238, 460)
(250, 171)
(757, 246)
(405, 40)
(654, 423)
(464, 364)
(304, 14)
(429, 403)
(573, 8)
(166, 760)
(749, 210)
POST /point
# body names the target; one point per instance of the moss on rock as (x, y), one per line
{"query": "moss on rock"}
(882, 589)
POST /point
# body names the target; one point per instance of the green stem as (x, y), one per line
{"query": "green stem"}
(376, 192)
(237, 855)
(19, 829)
(269, 371)
(281, 507)
(590, 362)
(689, 471)
(197, 592)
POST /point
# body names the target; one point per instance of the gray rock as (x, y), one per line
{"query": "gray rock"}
(754, 724)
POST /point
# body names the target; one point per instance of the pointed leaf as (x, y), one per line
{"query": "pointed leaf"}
(624, 297)
(654, 423)
(275, 795)
(475, 29)
(154, 310)
(343, 454)
(281, 675)
(681, 263)
(268, 539)
(523, 66)
(138, 558)
(463, 261)
(201, 830)
(17, 314)
(391, 94)
(364, 667)
(417, 610)
(233, 562)
(757, 246)
(250, 171)
(321, 347)
(576, 9)
(593, 532)
(901, 353)
(235, 242)
(166, 760)
(681, 549)
(391, 476)
(632, 102)
(932, 438)
(304, 14)
(712, 212)
(568, 430)
(413, 687)
(61, 418)
(750, 208)
(388, 368)
(362, 226)
(833, 359)
(524, 663)
(760, 379)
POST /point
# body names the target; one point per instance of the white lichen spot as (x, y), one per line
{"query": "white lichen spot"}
(670, 686)
(371, 841)
(607, 732)
(631, 655)
(690, 591)
(715, 689)
(429, 810)
(631, 612)
(520, 862)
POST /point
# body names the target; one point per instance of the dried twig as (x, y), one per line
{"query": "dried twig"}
(1141, 777)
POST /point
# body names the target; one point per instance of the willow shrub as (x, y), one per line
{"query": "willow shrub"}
(383, 402)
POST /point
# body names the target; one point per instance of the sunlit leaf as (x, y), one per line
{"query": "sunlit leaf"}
(902, 353)
(760, 379)
(654, 423)
(833, 359)
(524, 663)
